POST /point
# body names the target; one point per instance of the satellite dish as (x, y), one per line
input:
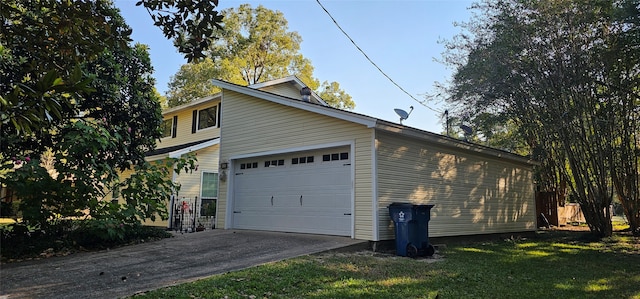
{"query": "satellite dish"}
(403, 114)
(467, 130)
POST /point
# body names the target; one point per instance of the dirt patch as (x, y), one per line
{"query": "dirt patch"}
(573, 228)
(384, 255)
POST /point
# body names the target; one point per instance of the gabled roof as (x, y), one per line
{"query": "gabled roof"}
(295, 81)
(290, 79)
(371, 122)
(192, 103)
(308, 106)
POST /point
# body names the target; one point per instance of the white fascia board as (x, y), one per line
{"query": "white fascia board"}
(193, 103)
(178, 153)
(374, 185)
(370, 122)
(453, 143)
(156, 157)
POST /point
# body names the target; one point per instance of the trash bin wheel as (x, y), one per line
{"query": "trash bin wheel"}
(430, 250)
(412, 250)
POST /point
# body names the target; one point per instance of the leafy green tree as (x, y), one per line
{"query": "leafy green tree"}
(192, 81)
(117, 83)
(190, 24)
(561, 72)
(75, 90)
(334, 96)
(255, 46)
(489, 129)
(623, 89)
(41, 69)
(43, 81)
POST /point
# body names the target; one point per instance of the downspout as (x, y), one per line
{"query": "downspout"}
(374, 179)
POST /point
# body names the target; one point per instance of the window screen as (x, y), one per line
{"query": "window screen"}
(167, 127)
(208, 207)
(209, 185)
(207, 118)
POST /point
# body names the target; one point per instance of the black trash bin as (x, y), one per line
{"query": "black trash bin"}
(411, 229)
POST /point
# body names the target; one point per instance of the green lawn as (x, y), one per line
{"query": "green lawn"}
(550, 265)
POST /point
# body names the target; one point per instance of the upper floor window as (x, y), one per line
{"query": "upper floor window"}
(167, 127)
(207, 117)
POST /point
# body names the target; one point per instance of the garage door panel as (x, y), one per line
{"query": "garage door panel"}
(328, 202)
(307, 223)
(310, 197)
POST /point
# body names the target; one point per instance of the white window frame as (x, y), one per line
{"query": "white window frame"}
(202, 197)
(170, 120)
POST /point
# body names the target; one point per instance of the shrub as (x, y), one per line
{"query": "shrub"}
(18, 241)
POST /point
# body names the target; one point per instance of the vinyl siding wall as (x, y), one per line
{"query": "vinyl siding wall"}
(287, 90)
(253, 125)
(185, 121)
(472, 194)
(190, 182)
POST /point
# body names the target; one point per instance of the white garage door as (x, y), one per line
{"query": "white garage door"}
(307, 192)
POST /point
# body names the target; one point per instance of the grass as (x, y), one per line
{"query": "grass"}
(550, 265)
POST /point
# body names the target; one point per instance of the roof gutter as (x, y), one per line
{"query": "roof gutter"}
(453, 143)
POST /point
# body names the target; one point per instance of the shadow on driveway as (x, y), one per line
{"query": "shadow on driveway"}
(128, 270)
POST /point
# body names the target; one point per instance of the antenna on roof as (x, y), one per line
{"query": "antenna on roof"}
(446, 116)
(403, 114)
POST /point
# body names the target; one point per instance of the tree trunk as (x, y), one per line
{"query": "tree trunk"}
(625, 173)
(598, 217)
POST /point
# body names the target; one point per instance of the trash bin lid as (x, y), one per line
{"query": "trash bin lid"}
(410, 205)
(423, 206)
(401, 204)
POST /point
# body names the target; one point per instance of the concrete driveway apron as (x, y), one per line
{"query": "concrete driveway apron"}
(132, 269)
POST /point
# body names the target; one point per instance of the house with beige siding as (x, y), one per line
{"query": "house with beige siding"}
(292, 165)
(272, 159)
(195, 128)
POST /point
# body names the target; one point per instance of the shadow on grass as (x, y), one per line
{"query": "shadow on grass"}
(558, 264)
(548, 266)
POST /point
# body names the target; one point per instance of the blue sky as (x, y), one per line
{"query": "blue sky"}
(401, 37)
